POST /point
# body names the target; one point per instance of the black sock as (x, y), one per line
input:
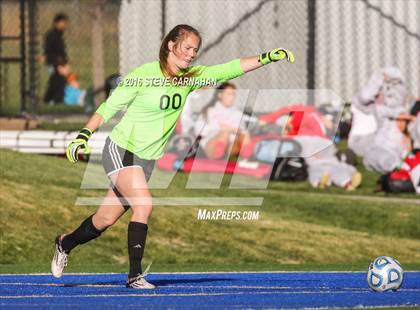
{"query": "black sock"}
(137, 233)
(84, 233)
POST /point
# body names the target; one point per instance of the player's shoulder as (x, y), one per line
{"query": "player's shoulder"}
(145, 69)
(195, 68)
(193, 71)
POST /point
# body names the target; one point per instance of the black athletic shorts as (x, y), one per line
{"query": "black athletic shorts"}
(115, 158)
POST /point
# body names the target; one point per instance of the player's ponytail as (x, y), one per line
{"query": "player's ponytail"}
(177, 34)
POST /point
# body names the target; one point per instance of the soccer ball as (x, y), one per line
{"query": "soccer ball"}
(384, 274)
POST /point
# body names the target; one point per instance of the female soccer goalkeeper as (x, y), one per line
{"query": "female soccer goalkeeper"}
(153, 107)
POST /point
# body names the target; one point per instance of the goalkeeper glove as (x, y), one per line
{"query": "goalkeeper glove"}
(79, 143)
(276, 55)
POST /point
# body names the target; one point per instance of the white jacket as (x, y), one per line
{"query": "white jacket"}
(217, 115)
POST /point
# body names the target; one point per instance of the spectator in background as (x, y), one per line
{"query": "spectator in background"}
(64, 86)
(73, 95)
(220, 126)
(56, 84)
(324, 168)
(390, 144)
(55, 52)
(405, 177)
(380, 116)
(379, 100)
(413, 127)
(54, 46)
(310, 128)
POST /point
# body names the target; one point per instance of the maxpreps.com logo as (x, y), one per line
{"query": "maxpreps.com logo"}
(227, 215)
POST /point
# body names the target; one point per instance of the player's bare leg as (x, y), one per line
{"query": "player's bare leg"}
(132, 184)
(106, 215)
(109, 212)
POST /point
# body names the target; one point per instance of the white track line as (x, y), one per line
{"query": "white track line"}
(190, 272)
(181, 286)
(320, 288)
(173, 294)
(263, 272)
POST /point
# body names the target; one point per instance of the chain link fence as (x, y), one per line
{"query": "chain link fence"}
(82, 50)
(351, 39)
(338, 44)
(229, 30)
(10, 54)
(355, 38)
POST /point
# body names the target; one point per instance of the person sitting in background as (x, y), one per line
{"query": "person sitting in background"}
(378, 132)
(312, 131)
(390, 144)
(405, 177)
(73, 95)
(65, 86)
(380, 98)
(219, 124)
(324, 168)
(413, 128)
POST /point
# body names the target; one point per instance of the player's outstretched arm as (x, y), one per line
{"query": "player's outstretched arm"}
(255, 62)
(232, 69)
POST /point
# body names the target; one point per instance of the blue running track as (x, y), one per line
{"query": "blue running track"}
(204, 290)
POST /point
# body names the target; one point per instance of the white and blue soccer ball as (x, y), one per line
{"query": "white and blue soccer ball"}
(385, 273)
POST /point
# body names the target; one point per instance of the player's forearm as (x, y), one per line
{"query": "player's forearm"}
(94, 122)
(250, 63)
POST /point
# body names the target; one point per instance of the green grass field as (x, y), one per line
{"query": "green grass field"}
(299, 228)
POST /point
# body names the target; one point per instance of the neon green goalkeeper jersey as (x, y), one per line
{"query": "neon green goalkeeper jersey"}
(154, 104)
